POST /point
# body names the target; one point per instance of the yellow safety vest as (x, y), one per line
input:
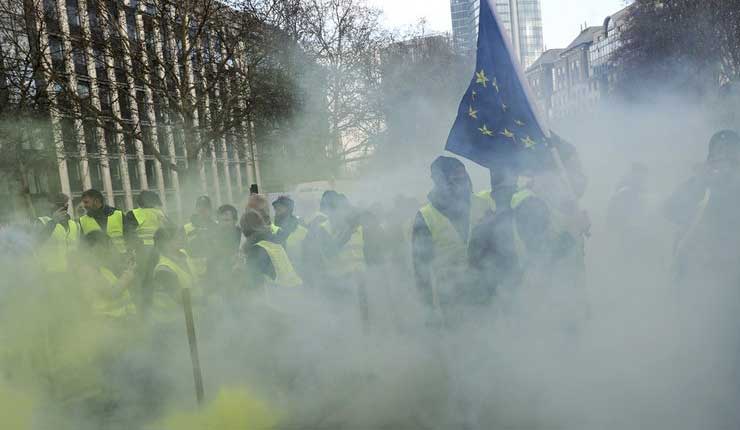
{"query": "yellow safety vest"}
(274, 229)
(351, 258)
(198, 265)
(294, 243)
(450, 250)
(558, 225)
(164, 306)
(114, 228)
(149, 220)
(113, 307)
(54, 253)
(285, 274)
(486, 195)
(189, 230)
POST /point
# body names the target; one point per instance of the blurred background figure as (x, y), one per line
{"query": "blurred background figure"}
(58, 237)
(199, 234)
(109, 278)
(139, 227)
(224, 254)
(292, 232)
(267, 263)
(705, 211)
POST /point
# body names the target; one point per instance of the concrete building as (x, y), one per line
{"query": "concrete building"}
(540, 76)
(601, 53)
(522, 20)
(131, 144)
(583, 73)
(573, 86)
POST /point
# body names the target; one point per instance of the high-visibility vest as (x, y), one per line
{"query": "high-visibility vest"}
(285, 274)
(114, 228)
(113, 307)
(198, 265)
(294, 243)
(486, 195)
(351, 258)
(189, 231)
(54, 253)
(274, 229)
(558, 226)
(164, 306)
(450, 249)
(149, 220)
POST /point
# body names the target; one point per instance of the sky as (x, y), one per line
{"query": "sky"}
(562, 19)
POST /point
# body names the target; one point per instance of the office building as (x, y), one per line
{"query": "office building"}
(522, 20)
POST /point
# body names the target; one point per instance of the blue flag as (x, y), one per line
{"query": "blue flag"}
(496, 122)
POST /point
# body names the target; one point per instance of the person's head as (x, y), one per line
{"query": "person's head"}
(256, 218)
(203, 207)
(92, 200)
(283, 207)
(724, 151)
(227, 215)
(254, 189)
(450, 177)
(59, 201)
(149, 199)
(329, 201)
(169, 239)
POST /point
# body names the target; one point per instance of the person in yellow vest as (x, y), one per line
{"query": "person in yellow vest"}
(267, 263)
(171, 274)
(291, 232)
(537, 235)
(199, 234)
(59, 237)
(140, 225)
(705, 211)
(101, 217)
(441, 232)
(109, 278)
(224, 255)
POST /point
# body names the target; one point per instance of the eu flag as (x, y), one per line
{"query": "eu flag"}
(496, 122)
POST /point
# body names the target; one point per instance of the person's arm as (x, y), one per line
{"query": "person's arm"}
(422, 249)
(44, 231)
(130, 224)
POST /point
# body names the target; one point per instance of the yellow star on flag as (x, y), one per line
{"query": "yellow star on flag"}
(474, 95)
(507, 133)
(528, 142)
(472, 112)
(495, 84)
(519, 123)
(480, 78)
(504, 107)
(485, 131)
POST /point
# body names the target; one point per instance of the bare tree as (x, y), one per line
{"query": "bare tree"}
(345, 36)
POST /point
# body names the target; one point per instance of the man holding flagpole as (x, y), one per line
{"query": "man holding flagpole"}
(498, 127)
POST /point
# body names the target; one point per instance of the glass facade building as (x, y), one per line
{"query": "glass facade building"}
(465, 24)
(522, 19)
